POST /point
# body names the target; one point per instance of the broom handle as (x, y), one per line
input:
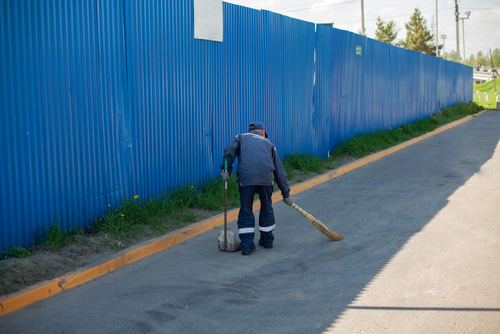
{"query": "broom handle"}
(303, 212)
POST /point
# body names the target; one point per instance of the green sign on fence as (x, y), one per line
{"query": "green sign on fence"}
(358, 50)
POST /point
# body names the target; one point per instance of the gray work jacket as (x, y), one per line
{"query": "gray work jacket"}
(258, 162)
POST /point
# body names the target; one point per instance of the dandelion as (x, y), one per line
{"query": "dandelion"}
(109, 204)
(122, 215)
(136, 196)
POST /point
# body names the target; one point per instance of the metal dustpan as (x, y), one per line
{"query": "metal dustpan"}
(232, 244)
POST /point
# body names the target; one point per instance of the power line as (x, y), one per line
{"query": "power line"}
(345, 2)
(304, 4)
(284, 9)
(391, 17)
(309, 8)
(480, 8)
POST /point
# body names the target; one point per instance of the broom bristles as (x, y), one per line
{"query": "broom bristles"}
(319, 225)
(329, 233)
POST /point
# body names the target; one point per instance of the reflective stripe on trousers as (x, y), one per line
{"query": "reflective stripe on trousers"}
(252, 229)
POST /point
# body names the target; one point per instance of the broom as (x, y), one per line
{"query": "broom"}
(319, 225)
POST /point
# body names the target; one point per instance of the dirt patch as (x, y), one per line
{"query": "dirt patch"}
(43, 264)
(90, 250)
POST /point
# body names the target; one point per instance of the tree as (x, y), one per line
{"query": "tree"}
(418, 37)
(452, 56)
(480, 59)
(400, 43)
(385, 33)
(471, 60)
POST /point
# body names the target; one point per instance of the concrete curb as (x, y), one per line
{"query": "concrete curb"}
(45, 289)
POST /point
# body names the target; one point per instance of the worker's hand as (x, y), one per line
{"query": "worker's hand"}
(288, 200)
(225, 176)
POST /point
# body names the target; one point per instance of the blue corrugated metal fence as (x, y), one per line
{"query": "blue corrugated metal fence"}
(102, 100)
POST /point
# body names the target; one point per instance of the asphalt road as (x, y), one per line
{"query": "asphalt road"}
(420, 255)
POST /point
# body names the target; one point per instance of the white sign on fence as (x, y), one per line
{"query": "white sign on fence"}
(208, 22)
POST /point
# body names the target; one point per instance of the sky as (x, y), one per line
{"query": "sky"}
(481, 30)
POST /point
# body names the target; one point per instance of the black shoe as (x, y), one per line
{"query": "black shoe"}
(264, 245)
(248, 252)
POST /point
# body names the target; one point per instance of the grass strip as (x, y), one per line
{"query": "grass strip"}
(368, 143)
(174, 209)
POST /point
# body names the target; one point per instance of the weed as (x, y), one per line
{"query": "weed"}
(134, 210)
(55, 237)
(114, 222)
(77, 236)
(305, 162)
(156, 224)
(289, 170)
(159, 205)
(3, 272)
(185, 196)
(18, 252)
(331, 164)
(211, 195)
(188, 217)
(18, 265)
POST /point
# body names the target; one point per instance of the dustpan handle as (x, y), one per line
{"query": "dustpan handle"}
(225, 207)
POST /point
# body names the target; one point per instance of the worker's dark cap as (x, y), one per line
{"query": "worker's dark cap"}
(257, 126)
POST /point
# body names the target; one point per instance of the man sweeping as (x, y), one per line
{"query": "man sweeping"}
(258, 166)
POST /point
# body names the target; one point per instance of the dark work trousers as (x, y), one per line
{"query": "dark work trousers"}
(246, 218)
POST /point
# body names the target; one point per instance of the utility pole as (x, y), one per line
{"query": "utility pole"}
(463, 38)
(363, 19)
(437, 36)
(463, 31)
(457, 13)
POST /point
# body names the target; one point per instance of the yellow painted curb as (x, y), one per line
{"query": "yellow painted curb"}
(45, 289)
(76, 278)
(29, 295)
